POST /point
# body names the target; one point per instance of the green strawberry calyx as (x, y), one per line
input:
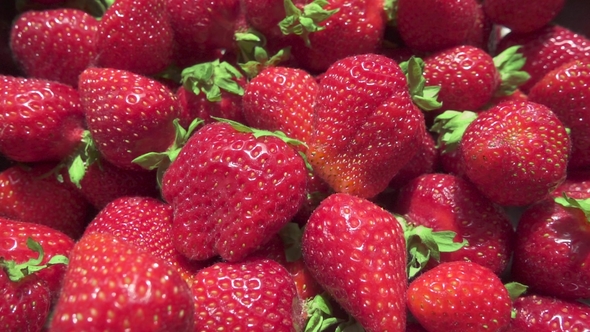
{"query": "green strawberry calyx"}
(509, 64)
(320, 314)
(570, 202)
(303, 23)
(450, 127)
(291, 235)
(424, 244)
(515, 290)
(253, 57)
(390, 8)
(17, 272)
(211, 78)
(86, 154)
(425, 97)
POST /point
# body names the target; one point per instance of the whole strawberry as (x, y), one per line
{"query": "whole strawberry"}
(459, 296)
(41, 120)
(548, 314)
(111, 285)
(128, 115)
(516, 153)
(365, 127)
(356, 251)
(55, 44)
(522, 16)
(232, 188)
(135, 35)
(257, 295)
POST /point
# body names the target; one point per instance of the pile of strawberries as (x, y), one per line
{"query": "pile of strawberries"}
(258, 165)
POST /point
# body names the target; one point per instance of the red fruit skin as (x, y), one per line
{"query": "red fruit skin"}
(547, 314)
(55, 44)
(445, 202)
(128, 115)
(146, 223)
(551, 250)
(110, 285)
(516, 145)
(255, 295)
(307, 286)
(433, 25)
(41, 120)
(522, 16)
(426, 160)
(576, 183)
(457, 70)
(35, 195)
(253, 186)
(355, 249)
(566, 91)
(546, 49)
(459, 296)
(360, 142)
(135, 35)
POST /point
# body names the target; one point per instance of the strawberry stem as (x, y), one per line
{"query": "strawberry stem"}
(509, 64)
(320, 313)
(425, 97)
(17, 272)
(451, 126)
(211, 78)
(581, 204)
(303, 23)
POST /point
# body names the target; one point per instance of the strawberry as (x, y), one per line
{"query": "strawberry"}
(433, 25)
(41, 120)
(135, 35)
(56, 44)
(548, 314)
(146, 223)
(565, 91)
(576, 182)
(355, 250)
(551, 250)
(35, 195)
(546, 49)
(26, 304)
(426, 160)
(515, 145)
(459, 296)
(111, 285)
(522, 16)
(232, 188)
(365, 127)
(128, 115)
(445, 202)
(256, 295)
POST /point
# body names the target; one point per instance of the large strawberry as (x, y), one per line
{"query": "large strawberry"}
(522, 16)
(548, 314)
(55, 44)
(365, 127)
(111, 285)
(232, 189)
(565, 90)
(135, 35)
(459, 296)
(128, 115)
(41, 120)
(356, 250)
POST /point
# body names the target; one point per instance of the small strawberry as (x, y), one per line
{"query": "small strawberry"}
(256, 295)
(522, 16)
(459, 296)
(365, 127)
(41, 120)
(548, 314)
(111, 285)
(135, 35)
(56, 44)
(232, 188)
(356, 251)
(565, 90)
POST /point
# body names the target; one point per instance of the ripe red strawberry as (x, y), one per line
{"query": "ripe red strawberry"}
(365, 127)
(55, 44)
(445, 202)
(111, 285)
(41, 120)
(515, 145)
(459, 296)
(547, 314)
(26, 304)
(256, 295)
(565, 91)
(128, 115)
(35, 195)
(522, 16)
(356, 251)
(551, 251)
(135, 35)
(146, 223)
(433, 25)
(546, 49)
(426, 160)
(232, 191)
